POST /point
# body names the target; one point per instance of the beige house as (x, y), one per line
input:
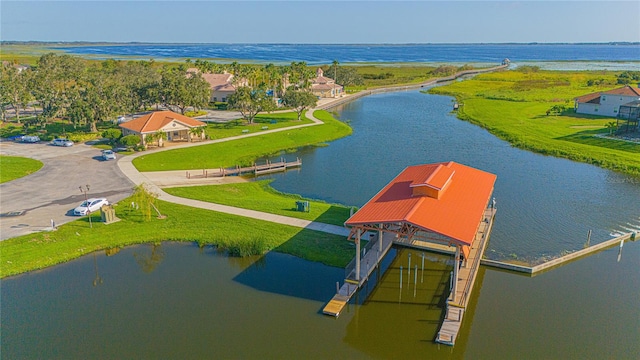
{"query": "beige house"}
(325, 87)
(177, 127)
(221, 85)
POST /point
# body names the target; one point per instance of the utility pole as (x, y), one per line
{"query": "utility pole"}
(86, 201)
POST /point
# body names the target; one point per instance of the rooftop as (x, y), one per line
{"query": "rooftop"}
(452, 205)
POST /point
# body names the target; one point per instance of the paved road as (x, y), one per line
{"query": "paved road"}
(52, 192)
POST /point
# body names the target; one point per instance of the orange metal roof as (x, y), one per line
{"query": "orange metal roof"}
(456, 214)
(156, 120)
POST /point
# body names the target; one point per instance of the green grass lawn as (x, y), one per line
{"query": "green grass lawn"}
(14, 167)
(244, 152)
(513, 105)
(72, 240)
(258, 195)
(235, 128)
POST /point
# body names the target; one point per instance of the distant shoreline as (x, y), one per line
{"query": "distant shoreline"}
(107, 43)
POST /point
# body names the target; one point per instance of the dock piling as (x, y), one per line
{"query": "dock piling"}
(400, 277)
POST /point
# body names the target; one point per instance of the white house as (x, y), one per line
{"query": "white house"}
(606, 103)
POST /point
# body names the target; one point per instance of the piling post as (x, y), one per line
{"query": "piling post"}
(400, 276)
(409, 270)
(589, 238)
(422, 272)
(338, 287)
(358, 255)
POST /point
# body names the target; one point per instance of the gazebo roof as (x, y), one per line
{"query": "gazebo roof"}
(445, 198)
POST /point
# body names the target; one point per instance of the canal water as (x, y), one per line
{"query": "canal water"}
(177, 300)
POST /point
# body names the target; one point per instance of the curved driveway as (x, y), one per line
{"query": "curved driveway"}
(53, 191)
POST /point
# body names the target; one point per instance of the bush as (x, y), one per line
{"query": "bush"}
(112, 134)
(238, 248)
(195, 113)
(130, 140)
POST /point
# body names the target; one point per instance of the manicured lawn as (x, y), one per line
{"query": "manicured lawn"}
(14, 167)
(513, 106)
(235, 128)
(243, 152)
(72, 240)
(258, 195)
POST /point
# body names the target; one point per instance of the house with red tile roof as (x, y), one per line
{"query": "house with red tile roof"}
(221, 85)
(325, 87)
(177, 127)
(606, 103)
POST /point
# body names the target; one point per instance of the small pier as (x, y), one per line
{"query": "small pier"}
(267, 168)
(373, 253)
(463, 285)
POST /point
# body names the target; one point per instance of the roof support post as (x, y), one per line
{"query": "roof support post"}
(358, 233)
(380, 234)
(456, 265)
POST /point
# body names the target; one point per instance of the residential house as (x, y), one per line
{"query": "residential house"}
(325, 87)
(221, 85)
(606, 103)
(177, 127)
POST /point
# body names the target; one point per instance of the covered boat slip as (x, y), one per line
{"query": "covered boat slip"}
(442, 207)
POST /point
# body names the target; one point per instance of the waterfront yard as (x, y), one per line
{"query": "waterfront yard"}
(244, 152)
(513, 105)
(259, 196)
(234, 234)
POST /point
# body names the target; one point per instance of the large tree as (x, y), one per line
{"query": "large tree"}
(14, 89)
(250, 102)
(184, 90)
(299, 100)
(55, 81)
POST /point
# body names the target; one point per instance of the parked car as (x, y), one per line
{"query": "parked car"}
(108, 155)
(61, 142)
(93, 204)
(30, 139)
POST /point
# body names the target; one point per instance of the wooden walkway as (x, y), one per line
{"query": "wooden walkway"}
(267, 168)
(369, 261)
(563, 259)
(466, 279)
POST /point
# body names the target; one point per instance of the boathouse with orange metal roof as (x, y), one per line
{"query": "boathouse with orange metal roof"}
(445, 207)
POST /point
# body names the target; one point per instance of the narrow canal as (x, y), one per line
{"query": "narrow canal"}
(180, 301)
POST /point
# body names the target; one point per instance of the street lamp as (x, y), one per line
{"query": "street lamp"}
(86, 201)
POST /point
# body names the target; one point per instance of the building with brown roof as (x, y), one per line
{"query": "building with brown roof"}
(177, 127)
(325, 87)
(221, 85)
(606, 103)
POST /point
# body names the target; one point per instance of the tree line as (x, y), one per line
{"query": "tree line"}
(87, 92)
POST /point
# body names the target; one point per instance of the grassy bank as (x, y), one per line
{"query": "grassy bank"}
(244, 151)
(271, 121)
(513, 106)
(259, 196)
(14, 167)
(232, 233)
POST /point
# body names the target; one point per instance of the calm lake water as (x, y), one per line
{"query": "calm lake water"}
(374, 53)
(180, 301)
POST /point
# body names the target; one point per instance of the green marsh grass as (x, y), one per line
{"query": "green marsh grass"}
(513, 105)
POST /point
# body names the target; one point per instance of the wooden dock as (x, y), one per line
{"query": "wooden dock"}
(373, 254)
(619, 240)
(466, 279)
(267, 168)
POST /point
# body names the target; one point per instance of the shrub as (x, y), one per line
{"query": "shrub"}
(130, 140)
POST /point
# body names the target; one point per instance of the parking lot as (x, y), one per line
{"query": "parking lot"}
(52, 192)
